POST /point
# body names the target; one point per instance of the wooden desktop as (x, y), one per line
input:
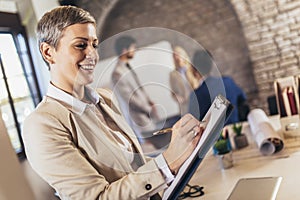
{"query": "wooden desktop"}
(249, 162)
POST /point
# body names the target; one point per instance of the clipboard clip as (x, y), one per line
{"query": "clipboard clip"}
(220, 100)
(217, 105)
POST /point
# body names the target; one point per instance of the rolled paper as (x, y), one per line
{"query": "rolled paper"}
(266, 138)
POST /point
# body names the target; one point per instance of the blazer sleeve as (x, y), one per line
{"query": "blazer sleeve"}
(54, 155)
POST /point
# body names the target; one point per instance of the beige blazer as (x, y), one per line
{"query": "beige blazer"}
(180, 89)
(78, 156)
(133, 96)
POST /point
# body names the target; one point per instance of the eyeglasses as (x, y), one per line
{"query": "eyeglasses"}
(193, 191)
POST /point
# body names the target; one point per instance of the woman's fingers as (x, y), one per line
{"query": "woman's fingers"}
(183, 121)
(186, 134)
(187, 127)
(190, 125)
(193, 132)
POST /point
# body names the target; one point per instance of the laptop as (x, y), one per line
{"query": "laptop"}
(258, 188)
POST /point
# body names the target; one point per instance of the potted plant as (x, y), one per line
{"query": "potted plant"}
(222, 147)
(240, 139)
(223, 150)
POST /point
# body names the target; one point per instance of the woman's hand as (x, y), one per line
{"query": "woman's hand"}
(185, 136)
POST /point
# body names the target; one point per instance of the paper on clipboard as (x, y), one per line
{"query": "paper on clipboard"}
(215, 118)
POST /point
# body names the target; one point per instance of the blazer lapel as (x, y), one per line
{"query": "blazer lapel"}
(120, 121)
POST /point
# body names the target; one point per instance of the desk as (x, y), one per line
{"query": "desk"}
(219, 183)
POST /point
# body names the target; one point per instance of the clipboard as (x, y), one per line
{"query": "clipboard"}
(216, 117)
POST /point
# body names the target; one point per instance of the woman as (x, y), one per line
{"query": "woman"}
(76, 139)
(182, 81)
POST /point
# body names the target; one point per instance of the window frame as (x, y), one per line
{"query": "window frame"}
(10, 24)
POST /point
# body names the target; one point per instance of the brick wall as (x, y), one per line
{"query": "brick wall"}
(271, 29)
(253, 41)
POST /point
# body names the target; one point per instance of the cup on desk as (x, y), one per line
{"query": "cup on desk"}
(225, 160)
(223, 151)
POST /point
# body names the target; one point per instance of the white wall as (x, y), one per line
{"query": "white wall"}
(153, 65)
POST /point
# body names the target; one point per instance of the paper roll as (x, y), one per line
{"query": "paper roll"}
(267, 139)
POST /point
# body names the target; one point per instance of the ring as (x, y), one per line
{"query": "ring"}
(195, 133)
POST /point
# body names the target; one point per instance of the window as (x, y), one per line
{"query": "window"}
(19, 92)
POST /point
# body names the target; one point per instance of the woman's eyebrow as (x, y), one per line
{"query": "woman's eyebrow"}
(86, 39)
(80, 38)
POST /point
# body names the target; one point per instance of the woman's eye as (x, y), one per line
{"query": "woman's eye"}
(81, 46)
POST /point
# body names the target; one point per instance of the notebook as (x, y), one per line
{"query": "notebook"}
(258, 188)
(215, 119)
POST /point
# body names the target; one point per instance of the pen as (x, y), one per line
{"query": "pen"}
(167, 130)
(162, 131)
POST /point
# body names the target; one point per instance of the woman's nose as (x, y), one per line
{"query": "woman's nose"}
(92, 53)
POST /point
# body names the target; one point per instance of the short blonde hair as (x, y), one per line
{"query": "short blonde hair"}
(52, 24)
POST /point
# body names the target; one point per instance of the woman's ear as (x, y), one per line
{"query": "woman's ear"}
(47, 52)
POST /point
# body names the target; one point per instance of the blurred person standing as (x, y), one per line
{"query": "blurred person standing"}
(210, 86)
(134, 101)
(182, 81)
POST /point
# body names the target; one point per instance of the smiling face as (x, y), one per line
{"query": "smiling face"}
(72, 63)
